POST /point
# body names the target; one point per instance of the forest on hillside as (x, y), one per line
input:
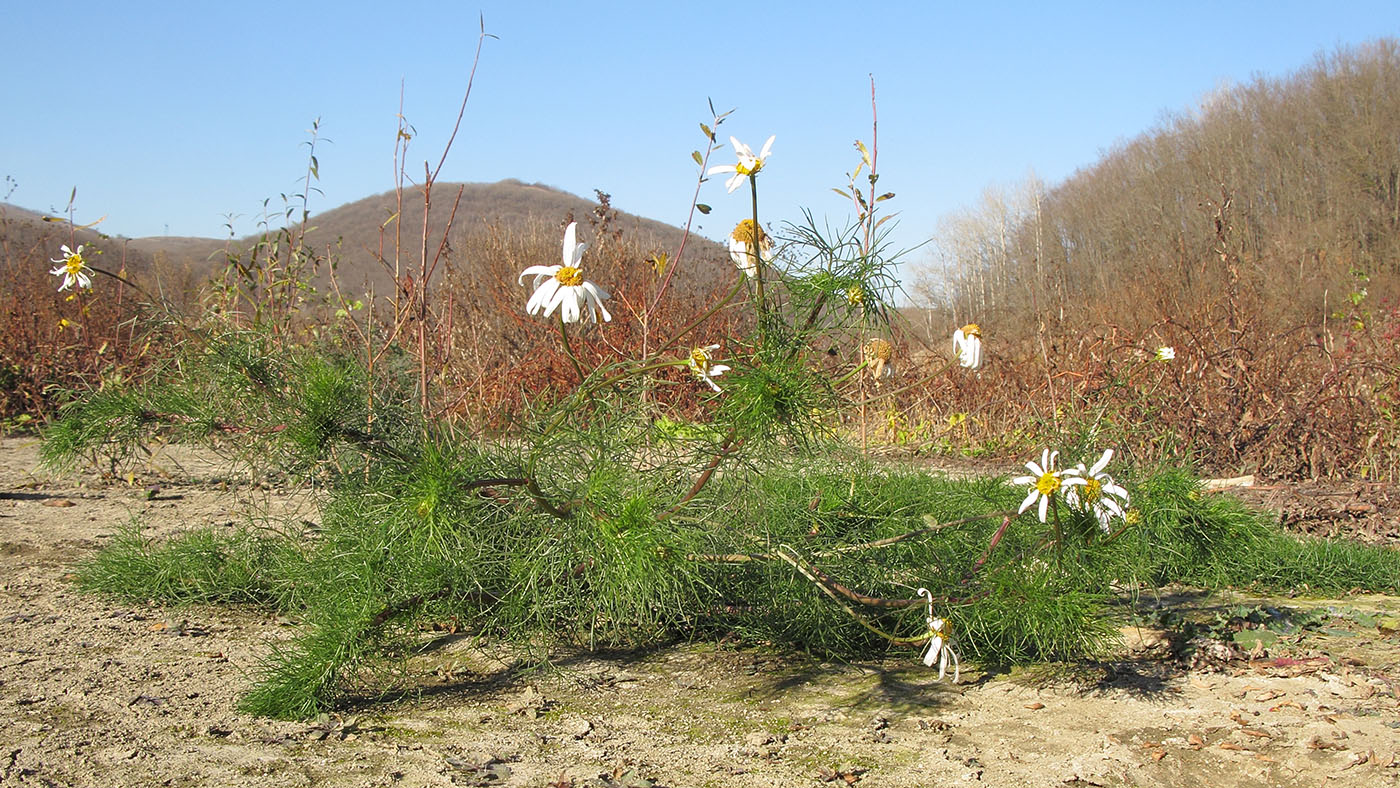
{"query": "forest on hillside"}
(1281, 195)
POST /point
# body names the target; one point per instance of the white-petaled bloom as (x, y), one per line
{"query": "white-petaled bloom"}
(940, 650)
(878, 355)
(1099, 494)
(72, 268)
(1166, 353)
(1046, 482)
(967, 345)
(703, 368)
(563, 286)
(741, 247)
(747, 165)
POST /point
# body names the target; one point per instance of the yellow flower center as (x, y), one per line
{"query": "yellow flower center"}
(879, 350)
(942, 628)
(750, 168)
(74, 264)
(972, 330)
(700, 360)
(855, 296)
(1093, 491)
(744, 233)
(1048, 484)
(1132, 517)
(569, 276)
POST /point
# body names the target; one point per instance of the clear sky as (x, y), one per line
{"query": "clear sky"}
(168, 117)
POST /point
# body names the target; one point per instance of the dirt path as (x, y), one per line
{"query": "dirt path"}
(97, 693)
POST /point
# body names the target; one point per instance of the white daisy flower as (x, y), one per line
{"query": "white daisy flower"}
(940, 644)
(1046, 482)
(747, 165)
(1166, 353)
(741, 247)
(72, 268)
(701, 365)
(940, 650)
(563, 286)
(1099, 494)
(967, 345)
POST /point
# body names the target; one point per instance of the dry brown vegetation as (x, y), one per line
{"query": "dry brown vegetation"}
(1258, 235)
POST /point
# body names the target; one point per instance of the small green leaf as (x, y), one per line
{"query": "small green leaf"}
(695, 154)
(709, 135)
(885, 196)
(841, 192)
(1246, 638)
(702, 207)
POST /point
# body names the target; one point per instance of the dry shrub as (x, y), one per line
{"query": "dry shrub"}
(499, 357)
(1301, 403)
(41, 357)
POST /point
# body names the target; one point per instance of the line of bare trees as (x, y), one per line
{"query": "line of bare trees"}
(1282, 195)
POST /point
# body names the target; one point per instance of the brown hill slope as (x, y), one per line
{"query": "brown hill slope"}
(361, 235)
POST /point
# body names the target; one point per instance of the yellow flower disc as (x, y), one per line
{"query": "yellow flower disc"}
(1093, 491)
(569, 276)
(1048, 484)
(972, 330)
(744, 234)
(700, 360)
(879, 350)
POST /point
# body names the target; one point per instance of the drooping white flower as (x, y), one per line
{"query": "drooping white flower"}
(563, 286)
(703, 368)
(1165, 353)
(72, 268)
(967, 345)
(747, 165)
(1099, 494)
(1046, 482)
(741, 247)
(878, 356)
(940, 650)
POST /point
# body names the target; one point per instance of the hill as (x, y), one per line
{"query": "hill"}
(360, 236)
(1281, 195)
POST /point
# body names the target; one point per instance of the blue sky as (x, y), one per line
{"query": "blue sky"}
(168, 117)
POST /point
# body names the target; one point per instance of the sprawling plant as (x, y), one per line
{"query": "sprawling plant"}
(603, 521)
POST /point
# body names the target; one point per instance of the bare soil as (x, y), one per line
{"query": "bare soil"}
(95, 692)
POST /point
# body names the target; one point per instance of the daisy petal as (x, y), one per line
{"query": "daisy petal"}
(1030, 499)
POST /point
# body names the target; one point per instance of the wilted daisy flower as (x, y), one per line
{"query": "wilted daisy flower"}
(967, 345)
(747, 165)
(940, 649)
(701, 365)
(72, 268)
(1166, 353)
(563, 286)
(1098, 495)
(741, 246)
(878, 353)
(1046, 482)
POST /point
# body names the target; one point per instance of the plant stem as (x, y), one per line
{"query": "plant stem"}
(568, 349)
(755, 251)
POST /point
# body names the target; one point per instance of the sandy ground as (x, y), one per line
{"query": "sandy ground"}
(99, 693)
